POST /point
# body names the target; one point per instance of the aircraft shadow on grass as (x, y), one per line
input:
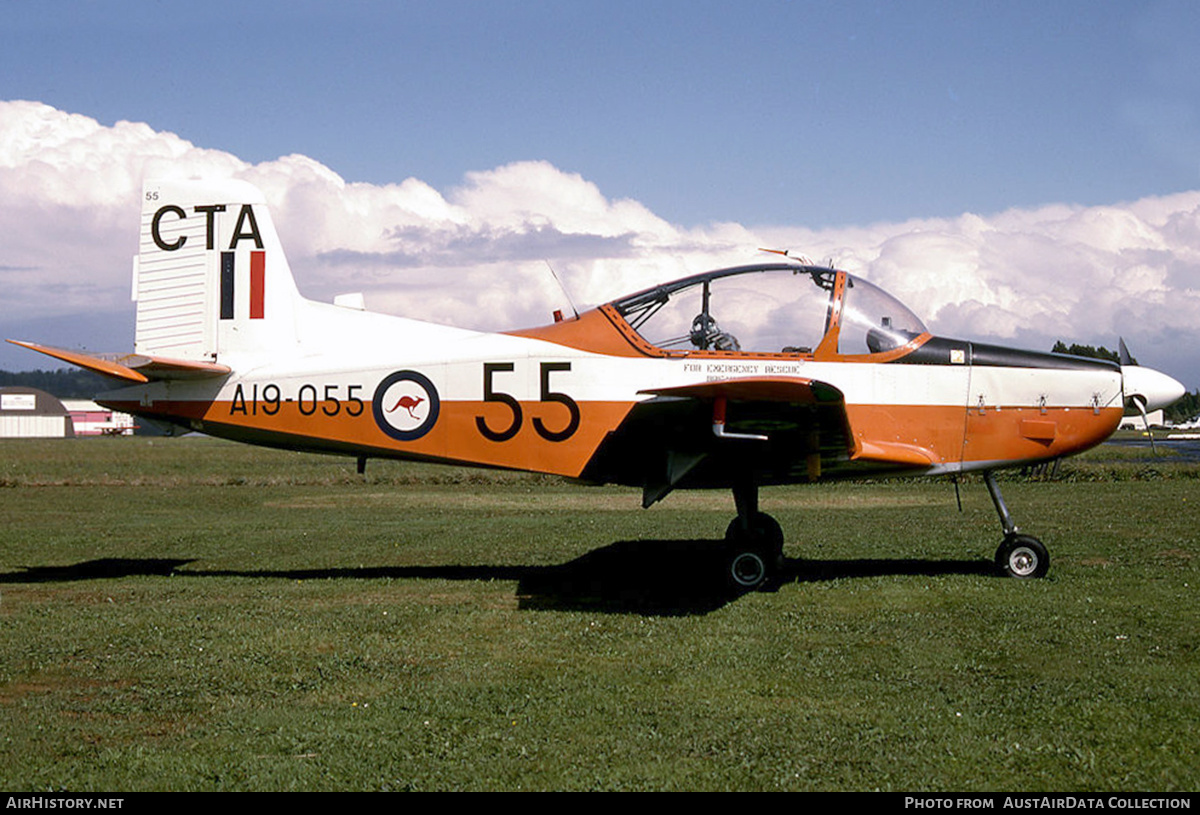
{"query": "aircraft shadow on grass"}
(671, 578)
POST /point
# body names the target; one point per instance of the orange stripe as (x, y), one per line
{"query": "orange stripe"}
(1000, 434)
(935, 429)
(455, 438)
(880, 432)
(996, 435)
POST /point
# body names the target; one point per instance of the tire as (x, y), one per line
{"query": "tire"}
(764, 532)
(1022, 556)
(754, 554)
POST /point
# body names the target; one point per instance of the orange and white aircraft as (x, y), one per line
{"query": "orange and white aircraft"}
(767, 374)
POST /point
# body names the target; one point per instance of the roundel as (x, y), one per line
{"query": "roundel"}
(406, 405)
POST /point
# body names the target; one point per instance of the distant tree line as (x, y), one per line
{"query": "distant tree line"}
(1077, 350)
(65, 384)
(1184, 410)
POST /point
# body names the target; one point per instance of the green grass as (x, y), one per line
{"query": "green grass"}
(185, 614)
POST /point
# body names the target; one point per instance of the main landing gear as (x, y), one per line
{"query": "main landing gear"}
(753, 551)
(753, 543)
(1019, 555)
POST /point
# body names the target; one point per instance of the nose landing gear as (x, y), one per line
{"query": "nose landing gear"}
(1019, 555)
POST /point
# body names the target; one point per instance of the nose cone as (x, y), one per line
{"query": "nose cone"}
(1149, 387)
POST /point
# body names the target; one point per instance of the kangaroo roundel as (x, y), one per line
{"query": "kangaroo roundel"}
(406, 405)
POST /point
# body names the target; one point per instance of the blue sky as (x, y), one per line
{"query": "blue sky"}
(758, 112)
(1015, 171)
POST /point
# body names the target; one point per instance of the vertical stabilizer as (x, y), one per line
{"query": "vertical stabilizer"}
(210, 277)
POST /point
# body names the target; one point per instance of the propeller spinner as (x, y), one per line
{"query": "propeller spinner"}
(1146, 388)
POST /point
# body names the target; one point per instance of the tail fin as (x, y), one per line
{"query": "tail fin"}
(211, 278)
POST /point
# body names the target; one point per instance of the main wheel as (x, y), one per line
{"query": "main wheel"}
(1022, 556)
(753, 552)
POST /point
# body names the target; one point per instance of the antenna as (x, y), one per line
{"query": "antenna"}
(566, 293)
(787, 254)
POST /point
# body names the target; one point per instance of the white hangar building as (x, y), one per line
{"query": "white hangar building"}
(28, 413)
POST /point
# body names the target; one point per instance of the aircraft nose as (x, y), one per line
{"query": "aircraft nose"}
(1152, 389)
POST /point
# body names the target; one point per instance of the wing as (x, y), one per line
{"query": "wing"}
(779, 389)
(711, 434)
(774, 430)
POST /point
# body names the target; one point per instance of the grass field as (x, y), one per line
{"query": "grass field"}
(186, 614)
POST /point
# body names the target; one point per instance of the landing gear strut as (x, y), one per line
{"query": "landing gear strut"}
(753, 542)
(1019, 555)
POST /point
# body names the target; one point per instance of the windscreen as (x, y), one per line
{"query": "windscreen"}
(873, 321)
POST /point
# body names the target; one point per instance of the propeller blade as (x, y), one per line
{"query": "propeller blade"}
(1123, 353)
(1141, 406)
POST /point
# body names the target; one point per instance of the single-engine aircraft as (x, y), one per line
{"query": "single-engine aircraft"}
(773, 373)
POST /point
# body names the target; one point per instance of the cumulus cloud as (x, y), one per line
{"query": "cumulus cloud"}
(476, 255)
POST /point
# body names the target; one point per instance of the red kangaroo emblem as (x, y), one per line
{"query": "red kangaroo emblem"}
(408, 403)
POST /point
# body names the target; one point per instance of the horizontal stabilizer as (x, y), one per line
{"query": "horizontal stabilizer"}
(135, 368)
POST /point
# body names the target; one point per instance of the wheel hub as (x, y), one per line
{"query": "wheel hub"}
(748, 569)
(1023, 561)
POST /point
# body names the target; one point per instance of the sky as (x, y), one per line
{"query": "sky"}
(1016, 172)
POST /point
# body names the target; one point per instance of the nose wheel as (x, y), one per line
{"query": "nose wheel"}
(1019, 555)
(1022, 556)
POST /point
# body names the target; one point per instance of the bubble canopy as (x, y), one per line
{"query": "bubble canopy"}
(776, 308)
